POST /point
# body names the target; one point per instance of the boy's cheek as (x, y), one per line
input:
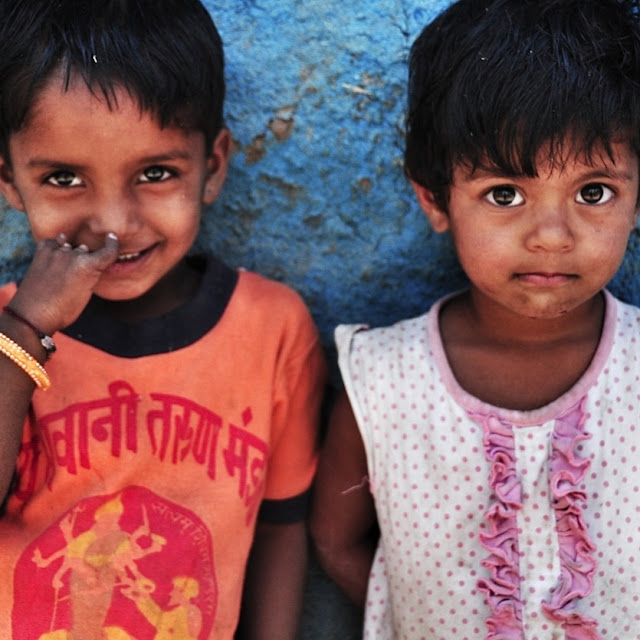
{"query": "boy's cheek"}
(44, 222)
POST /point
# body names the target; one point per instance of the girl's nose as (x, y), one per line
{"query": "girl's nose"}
(551, 229)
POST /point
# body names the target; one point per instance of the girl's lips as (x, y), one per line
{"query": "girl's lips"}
(546, 279)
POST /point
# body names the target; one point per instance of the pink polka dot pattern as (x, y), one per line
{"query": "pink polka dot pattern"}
(432, 487)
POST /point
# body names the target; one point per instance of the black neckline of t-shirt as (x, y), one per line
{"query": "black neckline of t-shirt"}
(174, 330)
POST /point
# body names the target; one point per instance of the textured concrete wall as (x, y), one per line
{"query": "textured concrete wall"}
(316, 196)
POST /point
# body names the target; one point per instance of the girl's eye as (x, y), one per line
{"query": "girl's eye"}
(505, 196)
(63, 179)
(594, 194)
(155, 174)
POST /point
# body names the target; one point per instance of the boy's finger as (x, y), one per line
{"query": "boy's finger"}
(109, 252)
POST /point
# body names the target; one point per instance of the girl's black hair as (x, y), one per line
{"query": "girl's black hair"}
(495, 83)
(166, 53)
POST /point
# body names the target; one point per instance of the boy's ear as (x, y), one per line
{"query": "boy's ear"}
(438, 218)
(8, 186)
(217, 163)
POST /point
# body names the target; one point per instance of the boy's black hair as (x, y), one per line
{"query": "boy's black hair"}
(492, 83)
(166, 53)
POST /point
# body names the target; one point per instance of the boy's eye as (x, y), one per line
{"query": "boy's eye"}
(63, 179)
(505, 196)
(594, 194)
(155, 174)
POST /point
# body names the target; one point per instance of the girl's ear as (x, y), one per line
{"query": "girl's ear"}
(8, 186)
(438, 218)
(217, 163)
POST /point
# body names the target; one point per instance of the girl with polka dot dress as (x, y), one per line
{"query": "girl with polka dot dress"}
(481, 473)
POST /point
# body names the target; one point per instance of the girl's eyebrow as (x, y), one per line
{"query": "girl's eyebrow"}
(605, 172)
(611, 173)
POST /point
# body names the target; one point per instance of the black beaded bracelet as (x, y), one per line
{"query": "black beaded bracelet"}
(45, 340)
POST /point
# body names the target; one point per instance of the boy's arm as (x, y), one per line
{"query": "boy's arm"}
(16, 389)
(53, 293)
(276, 573)
(343, 519)
(274, 583)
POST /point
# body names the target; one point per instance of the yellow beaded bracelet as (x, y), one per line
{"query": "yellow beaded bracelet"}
(25, 361)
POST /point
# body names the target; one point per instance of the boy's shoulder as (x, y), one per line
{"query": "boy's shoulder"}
(259, 285)
(260, 294)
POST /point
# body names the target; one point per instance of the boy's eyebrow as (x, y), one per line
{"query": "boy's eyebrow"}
(154, 159)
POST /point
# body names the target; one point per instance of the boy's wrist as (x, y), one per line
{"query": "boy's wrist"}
(46, 341)
(24, 336)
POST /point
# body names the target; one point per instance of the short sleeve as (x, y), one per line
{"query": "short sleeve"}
(298, 391)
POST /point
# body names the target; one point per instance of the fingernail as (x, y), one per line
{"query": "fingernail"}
(112, 235)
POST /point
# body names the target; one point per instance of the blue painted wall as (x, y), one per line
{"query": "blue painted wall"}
(316, 196)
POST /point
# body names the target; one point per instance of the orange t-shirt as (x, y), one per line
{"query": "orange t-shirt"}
(140, 479)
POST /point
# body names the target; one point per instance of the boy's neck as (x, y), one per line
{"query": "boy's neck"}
(173, 290)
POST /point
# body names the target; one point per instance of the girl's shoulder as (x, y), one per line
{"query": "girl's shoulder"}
(628, 314)
(404, 335)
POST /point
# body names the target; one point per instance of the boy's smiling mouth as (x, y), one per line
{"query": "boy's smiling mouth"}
(132, 256)
(128, 257)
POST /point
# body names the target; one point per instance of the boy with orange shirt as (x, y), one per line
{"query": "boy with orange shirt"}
(176, 444)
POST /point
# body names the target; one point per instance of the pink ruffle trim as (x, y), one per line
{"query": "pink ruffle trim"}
(567, 471)
(503, 589)
(576, 560)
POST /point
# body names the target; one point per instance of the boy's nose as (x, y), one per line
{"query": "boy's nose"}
(114, 213)
(551, 230)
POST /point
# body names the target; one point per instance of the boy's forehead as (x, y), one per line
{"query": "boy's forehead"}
(74, 83)
(70, 122)
(61, 89)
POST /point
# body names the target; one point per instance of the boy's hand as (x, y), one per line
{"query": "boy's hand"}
(60, 281)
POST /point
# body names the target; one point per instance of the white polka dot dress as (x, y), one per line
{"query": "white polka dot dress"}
(499, 524)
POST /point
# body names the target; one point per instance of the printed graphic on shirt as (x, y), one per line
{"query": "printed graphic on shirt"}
(107, 569)
(178, 431)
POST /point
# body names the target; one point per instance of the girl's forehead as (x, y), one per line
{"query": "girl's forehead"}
(568, 155)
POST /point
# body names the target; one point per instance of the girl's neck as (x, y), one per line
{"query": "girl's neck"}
(516, 362)
(478, 318)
